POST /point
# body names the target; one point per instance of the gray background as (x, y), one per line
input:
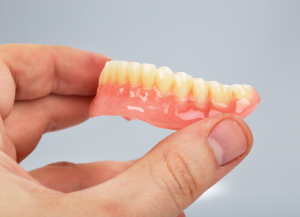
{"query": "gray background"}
(253, 42)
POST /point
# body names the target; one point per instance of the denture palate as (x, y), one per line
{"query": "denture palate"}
(164, 99)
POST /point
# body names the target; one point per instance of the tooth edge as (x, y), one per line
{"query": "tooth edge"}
(164, 79)
(121, 72)
(105, 73)
(113, 71)
(182, 84)
(134, 73)
(200, 94)
(148, 74)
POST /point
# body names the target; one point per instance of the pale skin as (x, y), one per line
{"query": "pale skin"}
(49, 88)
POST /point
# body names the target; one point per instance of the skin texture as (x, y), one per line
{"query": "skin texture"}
(48, 88)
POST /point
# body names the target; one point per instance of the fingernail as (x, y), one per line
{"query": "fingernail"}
(228, 141)
(99, 55)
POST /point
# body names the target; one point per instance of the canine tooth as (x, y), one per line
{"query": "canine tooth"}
(105, 73)
(241, 91)
(121, 69)
(182, 84)
(220, 93)
(200, 89)
(148, 72)
(113, 71)
(164, 79)
(134, 73)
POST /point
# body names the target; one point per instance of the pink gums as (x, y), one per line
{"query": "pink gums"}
(162, 111)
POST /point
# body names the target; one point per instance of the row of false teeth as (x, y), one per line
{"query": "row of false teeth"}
(164, 79)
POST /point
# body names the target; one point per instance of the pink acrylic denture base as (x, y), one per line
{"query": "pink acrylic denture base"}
(162, 111)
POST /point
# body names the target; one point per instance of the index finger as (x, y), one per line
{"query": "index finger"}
(34, 71)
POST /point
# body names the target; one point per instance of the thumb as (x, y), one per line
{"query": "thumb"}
(175, 172)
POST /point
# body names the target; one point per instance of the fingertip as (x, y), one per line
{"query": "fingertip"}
(228, 141)
(98, 60)
(101, 57)
(7, 91)
(205, 127)
(242, 124)
(95, 62)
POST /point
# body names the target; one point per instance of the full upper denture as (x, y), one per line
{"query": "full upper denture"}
(164, 99)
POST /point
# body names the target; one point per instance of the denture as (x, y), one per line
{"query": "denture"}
(164, 99)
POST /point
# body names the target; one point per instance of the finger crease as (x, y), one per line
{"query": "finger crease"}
(165, 187)
(49, 119)
(55, 83)
(187, 181)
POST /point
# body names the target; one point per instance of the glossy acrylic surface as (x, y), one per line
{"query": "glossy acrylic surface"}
(165, 111)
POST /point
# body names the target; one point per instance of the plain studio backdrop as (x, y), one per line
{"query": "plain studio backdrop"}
(252, 42)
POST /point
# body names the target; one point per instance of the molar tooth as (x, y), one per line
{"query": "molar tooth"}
(121, 69)
(248, 90)
(238, 91)
(148, 72)
(105, 73)
(241, 91)
(113, 71)
(220, 93)
(134, 73)
(182, 84)
(200, 89)
(164, 79)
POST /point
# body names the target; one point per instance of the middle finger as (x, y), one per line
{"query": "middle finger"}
(29, 120)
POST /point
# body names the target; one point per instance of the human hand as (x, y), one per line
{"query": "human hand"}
(48, 88)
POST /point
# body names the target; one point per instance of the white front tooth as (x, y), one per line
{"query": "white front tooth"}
(200, 89)
(220, 93)
(148, 72)
(113, 71)
(134, 73)
(248, 90)
(182, 84)
(164, 79)
(105, 73)
(121, 69)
